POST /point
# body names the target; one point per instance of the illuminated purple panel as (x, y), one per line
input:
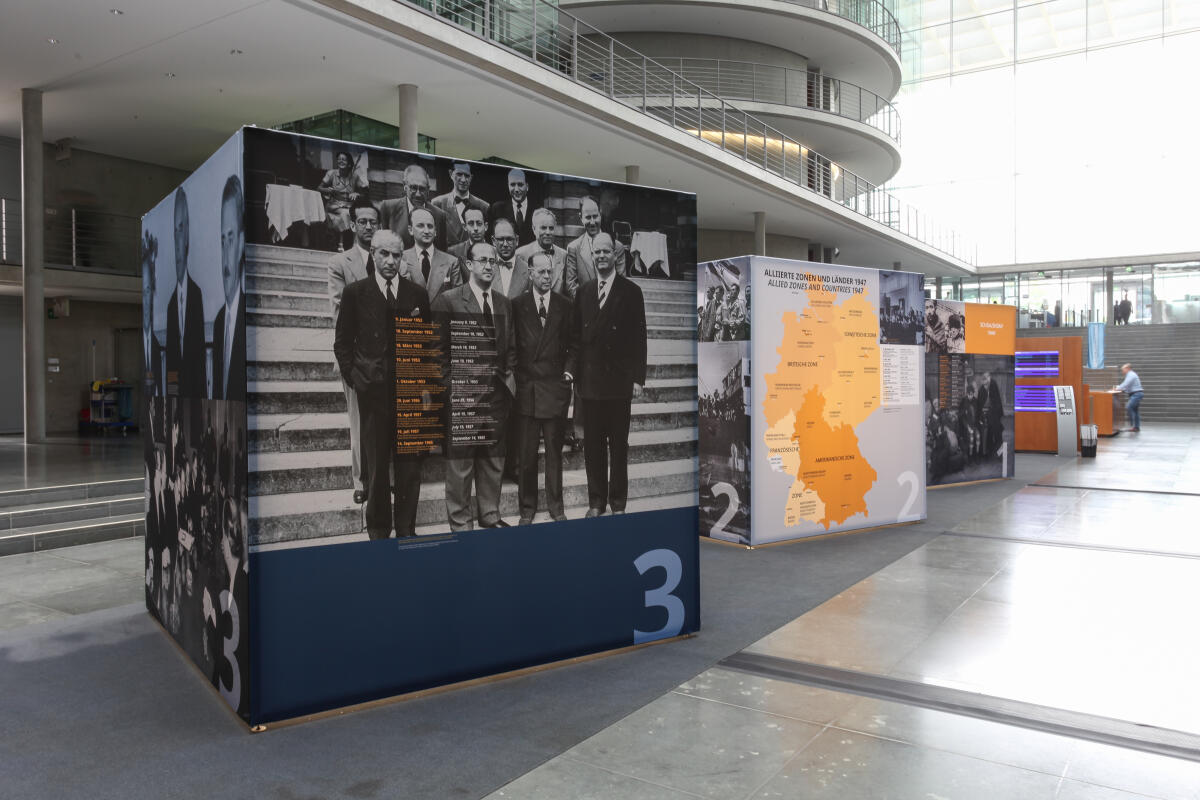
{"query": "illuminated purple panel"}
(1037, 364)
(1035, 398)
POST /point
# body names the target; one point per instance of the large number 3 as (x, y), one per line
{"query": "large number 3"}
(662, 597)
(233, 694)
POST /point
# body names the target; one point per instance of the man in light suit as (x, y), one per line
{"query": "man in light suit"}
(151, 349)
(346, 268)
(611, 319)
(480, 464)
(544, 224)
(454, 205)
(580, 261)
(186, 375)
(229, 326)
(396, 214)
(546, 354)
(476, 227)
(365, 345)
(424, 264)
(517, 208)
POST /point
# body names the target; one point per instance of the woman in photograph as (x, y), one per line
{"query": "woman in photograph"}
(340, 187)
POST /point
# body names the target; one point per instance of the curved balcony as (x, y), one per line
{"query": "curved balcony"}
(545, 35)
(856, 40)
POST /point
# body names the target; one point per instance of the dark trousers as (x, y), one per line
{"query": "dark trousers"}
(1131, 410)
(391, 501)
(606, 451)
(552, 431)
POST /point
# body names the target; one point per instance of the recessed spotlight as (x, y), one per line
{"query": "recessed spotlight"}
(169, 74)
(116, 12)
(235, 52)
(52, 40)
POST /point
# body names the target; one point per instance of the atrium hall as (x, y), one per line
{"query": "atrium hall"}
(1031, 636)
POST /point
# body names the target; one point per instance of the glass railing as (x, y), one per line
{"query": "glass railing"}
(559, 41)
(798, 88)
(75, 238)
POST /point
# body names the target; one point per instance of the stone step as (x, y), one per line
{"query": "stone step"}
(291, 301)
(325, 369)
(262, 284)
(299, 397)
(319, 514)
(65, 534)
(72, 491)
(97, 510)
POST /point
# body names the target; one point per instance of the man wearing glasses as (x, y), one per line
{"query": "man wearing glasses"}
(344, 269)
(487, 377)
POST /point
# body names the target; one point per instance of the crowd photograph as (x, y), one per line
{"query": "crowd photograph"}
(723, 310)
(969, 433)
(901, 308)
(945, 327)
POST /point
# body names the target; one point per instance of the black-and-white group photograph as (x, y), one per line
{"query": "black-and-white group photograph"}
(556, 313)
(969, 422)
(725, 459)
(901, 308)
(723, 305)
(945, 326)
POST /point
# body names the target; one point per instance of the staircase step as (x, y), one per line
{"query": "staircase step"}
(66, 534)
(318, 514)
(264, 284)
(71, 511)
(289, 301)
(72, 491)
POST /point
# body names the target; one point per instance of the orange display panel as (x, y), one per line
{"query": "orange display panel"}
(1037, 431)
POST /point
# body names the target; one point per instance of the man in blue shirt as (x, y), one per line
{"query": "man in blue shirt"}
(1132, 386)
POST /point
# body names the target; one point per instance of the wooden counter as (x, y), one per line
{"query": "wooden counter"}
(1108, 411)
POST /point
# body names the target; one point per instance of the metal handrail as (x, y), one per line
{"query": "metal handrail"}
(76, 238)
(870, 14)
(559, 41)
(768, 83)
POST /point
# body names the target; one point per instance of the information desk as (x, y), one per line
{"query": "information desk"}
(1042, 363)
(1108, 411)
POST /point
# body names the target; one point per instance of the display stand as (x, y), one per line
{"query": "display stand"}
(811, 393)
(288, 389)
(1043, 363)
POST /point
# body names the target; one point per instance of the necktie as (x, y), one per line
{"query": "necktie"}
(542, 310)
(425, 264)
(487, 309)
(520, 217)
(603, 292)
(391, 298)
(460, 205)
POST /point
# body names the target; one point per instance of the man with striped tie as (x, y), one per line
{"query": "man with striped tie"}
(611, 319)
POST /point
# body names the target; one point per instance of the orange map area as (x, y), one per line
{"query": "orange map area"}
(826, 383)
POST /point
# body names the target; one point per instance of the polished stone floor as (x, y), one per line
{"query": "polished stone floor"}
(54, 584)
(68, 459)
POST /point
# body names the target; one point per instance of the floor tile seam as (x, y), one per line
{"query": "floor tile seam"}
(39, 606)
(728, 704)
(576, 759)
(1109, 786)
(1002, 710)
(1116, 489)
(799, 752)
(1095, 548)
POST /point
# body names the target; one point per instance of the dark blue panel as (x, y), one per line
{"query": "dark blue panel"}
(343, 624)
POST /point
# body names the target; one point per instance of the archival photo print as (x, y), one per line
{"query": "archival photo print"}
(724, 389)
(901, 308)
(969, 433)
(723, 306)
(945, 326)
(439, 346)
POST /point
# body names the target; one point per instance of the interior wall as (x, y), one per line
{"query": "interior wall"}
(714, 244)
(70, 340)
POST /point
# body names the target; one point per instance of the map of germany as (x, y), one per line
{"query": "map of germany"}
(825, 385)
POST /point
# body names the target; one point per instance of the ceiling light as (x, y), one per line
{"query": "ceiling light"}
(116, 12)
(235, 52)
(52, 40)
(169, 74)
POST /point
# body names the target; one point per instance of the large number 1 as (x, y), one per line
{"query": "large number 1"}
(662, 597)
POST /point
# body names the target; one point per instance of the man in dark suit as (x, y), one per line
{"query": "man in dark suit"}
(475, 222)
(477, 301)
(229, 326)
(611, 319)
(396, 214)
(455, 204)
(186, 376)
(365, 345)
(151, 349)
(544, 225)
(518, 208)
(423, 263)
(345, 268)
(993, 415)
(546, 354)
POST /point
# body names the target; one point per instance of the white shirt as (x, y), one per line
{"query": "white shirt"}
(383, 284)
(539, 299)
(230, 322)
(519, 209)
(606, 291)
(505, 274)
(181, 293)
(480, 294)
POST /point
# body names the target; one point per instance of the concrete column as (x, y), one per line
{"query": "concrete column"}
(1109, 300)
(938, 288)
(408, 116)
(760, 233)
(896, 267)
(33, 224)
(633, 173)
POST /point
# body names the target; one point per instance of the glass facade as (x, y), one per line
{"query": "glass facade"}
(1150, 293)
(350, 127)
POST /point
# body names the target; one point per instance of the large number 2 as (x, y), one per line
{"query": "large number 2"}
(910, 478)
(731, 507)
(662, 597)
